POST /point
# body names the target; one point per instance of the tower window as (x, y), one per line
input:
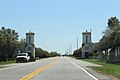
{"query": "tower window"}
(86, 39)
(29, 39)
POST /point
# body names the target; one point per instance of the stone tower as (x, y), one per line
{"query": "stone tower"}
(30, 46)
(86, 44)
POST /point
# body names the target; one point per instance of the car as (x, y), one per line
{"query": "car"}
(22, 57)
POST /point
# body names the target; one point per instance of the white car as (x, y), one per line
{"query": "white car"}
(22, 57)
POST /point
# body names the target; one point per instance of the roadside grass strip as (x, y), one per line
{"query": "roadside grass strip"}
(107, 68)
(29, 76)
(7, 62)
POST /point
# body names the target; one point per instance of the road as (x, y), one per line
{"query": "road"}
(57, 68)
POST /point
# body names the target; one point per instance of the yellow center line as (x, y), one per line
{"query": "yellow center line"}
(29, 76)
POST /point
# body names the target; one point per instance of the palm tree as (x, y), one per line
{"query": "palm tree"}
(113, 22)
(111, 38)
(116, 36)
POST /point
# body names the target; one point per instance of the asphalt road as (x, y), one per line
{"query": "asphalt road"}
(57, 68)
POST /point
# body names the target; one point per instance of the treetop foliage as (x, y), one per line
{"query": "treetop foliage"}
(111, 37)
(8, 43)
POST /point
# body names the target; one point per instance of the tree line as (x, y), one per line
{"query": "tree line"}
(109, 45)
(111, 36)
(8, 43)
(40, 53)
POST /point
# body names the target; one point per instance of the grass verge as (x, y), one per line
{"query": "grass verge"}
(4, 63)
(109, 69)
(7, 62)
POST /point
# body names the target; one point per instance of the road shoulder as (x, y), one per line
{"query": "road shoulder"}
(86, 65)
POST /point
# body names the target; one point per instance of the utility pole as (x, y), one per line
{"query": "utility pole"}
(77, 43)
(66, 52)
(70, 50)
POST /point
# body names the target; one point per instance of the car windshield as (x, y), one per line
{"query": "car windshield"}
(21, 54)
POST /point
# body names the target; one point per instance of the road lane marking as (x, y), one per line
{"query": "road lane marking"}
(29, 76)
(83, 70)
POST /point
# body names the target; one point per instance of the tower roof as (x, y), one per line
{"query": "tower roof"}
(30, 33)
(86, 32)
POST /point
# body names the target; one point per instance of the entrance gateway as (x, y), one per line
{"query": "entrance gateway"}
(86, 44)
(30, 46)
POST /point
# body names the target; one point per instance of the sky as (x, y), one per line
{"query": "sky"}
(58, 23)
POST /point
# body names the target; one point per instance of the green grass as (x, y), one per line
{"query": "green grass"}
(7, 62)
(110, 69)
(4, 63)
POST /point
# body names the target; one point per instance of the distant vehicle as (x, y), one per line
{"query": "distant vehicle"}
(22, 57)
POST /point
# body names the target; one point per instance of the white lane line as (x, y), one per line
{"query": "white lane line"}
(83, 70)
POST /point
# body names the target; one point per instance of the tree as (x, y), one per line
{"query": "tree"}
(41, 53)
(8, 45)
(110, 36)
(53, 54)
(77, 53)
(113, 22)
(110, 39)
(114, 37)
